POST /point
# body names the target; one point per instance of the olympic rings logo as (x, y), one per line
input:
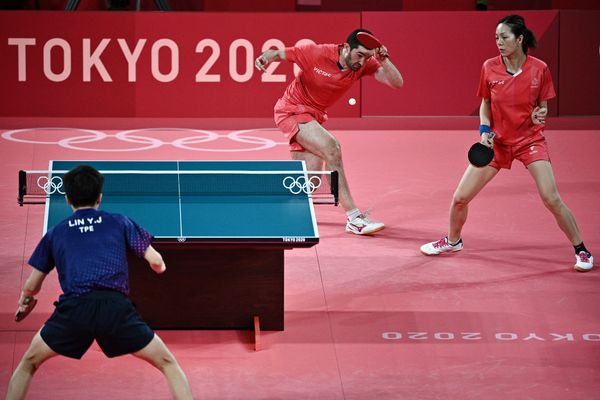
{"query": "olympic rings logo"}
(51, 185)
(146, 139)
(301, 184)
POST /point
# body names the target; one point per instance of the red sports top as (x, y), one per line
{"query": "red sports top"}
(513, 98)
(320, 82)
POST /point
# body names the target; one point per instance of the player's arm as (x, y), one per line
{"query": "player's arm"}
(538, 116)
(269, 56)
(155, 260)
(388, 74)
(485, 112)
(485, 118)
(32, 286)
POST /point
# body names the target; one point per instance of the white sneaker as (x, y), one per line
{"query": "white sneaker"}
(441, 246)
(362, 225)
(584, 261)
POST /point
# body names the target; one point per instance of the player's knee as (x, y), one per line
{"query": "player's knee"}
(552, 200)
(30, 363)
(459, 200)
(334, 153)
(163, 358)
(166, 361)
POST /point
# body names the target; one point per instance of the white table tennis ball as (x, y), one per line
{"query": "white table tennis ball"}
(352, 101)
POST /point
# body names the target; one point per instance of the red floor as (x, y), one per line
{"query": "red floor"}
(366, 317)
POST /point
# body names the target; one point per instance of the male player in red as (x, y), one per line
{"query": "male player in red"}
(514, 88)
(328, 71)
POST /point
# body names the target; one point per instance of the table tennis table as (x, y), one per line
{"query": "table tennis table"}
(221, 226)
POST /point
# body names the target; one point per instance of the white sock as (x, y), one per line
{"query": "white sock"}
(355, 212)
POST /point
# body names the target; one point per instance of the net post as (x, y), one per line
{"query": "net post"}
(22, 186)
(334, 187)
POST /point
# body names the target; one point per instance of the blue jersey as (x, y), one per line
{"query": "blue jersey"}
(89, 250)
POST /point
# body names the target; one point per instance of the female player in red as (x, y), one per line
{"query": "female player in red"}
(515, 89)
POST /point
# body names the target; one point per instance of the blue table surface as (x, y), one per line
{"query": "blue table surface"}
(197, 207)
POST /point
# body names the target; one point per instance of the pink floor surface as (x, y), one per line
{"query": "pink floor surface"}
(366, 317)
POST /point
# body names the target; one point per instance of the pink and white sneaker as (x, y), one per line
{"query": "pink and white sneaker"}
(362, 225)
(441, 246)
(584, 261)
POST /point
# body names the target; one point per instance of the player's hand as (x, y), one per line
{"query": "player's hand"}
(261, 63)
(159, 268)
(23, 302)
(381, 53)
(487, 140)
(538, 116)
(26, 304)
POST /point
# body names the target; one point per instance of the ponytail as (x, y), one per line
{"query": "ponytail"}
(529, 40)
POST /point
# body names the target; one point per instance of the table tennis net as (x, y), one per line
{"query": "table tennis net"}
(321, 186)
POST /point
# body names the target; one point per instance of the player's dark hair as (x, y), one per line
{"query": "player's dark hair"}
(517, 26)
(83, 185)
(352, 40)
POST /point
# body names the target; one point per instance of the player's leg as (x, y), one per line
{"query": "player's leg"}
(319, 142)
(157, 354)
(542, 173)
(37, 353)
(474, 179)
(313, 162)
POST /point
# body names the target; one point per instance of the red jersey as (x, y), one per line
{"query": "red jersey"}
(513, 98)
(320, 82)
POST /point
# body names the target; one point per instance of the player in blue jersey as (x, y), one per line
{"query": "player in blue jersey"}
(89, 250)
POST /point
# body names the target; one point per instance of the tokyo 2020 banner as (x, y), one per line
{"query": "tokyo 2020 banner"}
(153, 64)
(105, 64)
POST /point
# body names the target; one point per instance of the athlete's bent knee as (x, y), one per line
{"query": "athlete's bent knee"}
(333, 152)
(460, 200)
(30, 364)
(552, 201)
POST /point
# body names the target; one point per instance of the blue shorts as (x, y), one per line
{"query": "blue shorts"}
(106, 316)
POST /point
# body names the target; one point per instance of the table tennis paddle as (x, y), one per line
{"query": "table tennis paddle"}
(369, 41)
(30, 303)
(481, 155)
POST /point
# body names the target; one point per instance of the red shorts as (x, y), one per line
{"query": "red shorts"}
(527, 152)
(288, 116)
